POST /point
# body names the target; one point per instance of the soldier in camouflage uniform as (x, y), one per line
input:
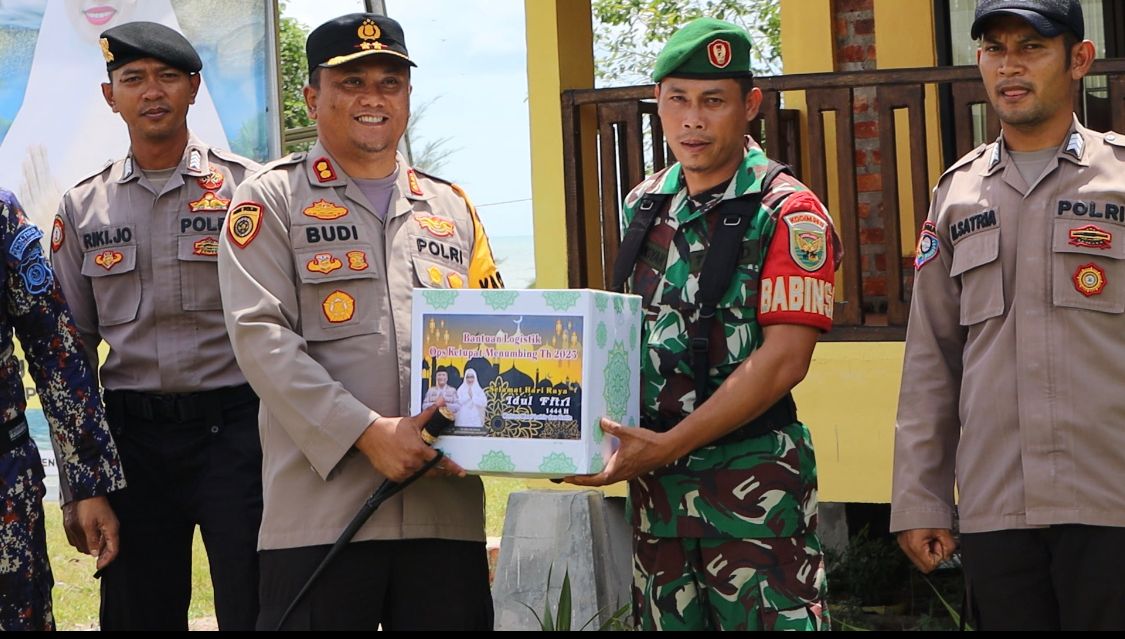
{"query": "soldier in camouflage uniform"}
(723, 493)
(33, 305)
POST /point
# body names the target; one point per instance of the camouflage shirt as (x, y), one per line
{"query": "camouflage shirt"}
(33, 305)
(763, 486)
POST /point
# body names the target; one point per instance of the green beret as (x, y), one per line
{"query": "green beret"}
(137, 40)
(705, 48)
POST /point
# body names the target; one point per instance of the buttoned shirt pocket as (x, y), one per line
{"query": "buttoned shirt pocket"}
(434, 274)
(341, 294)
(976, 260)
(116, 282)
(199, 273)
(1088, 266)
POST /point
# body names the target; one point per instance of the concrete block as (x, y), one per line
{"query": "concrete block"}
(580, 533)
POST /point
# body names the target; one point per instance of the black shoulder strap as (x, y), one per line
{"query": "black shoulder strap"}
(718, 270)
(650, 206)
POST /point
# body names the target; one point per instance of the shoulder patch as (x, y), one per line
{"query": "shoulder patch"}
(27, 236)
(243, 223)
(929, 245)
(58, 234)
(808, 239)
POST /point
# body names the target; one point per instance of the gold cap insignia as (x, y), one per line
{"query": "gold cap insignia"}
(106, 53)
(369, 32)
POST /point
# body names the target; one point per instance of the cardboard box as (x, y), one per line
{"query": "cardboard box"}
(529, 374)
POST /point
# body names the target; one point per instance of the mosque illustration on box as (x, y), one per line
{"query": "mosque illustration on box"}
(505, 376)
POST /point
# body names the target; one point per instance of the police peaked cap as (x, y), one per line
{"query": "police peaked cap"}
(354, 36)
(137, 40)
(705, 48)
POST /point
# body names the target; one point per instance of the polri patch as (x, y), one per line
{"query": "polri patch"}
(206, 247)
(108, 259)
(324, 210)
(929, 246)
(244, 222)
(1089, 280)
(357, 260)
(1091, 236)
(436, 226)
(324, 263)
(212, 182)
(58, 234)
(339, 307)
(808, 239)
(210, 203)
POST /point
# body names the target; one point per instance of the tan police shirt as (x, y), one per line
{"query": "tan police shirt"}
(1015, 351)
(138, 267)
(317, 292)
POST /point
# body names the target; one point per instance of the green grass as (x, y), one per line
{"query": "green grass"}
(76, 591)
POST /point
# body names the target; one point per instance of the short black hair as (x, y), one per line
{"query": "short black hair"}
(314, 78)
(746, 85)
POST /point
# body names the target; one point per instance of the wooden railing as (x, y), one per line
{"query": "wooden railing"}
(628, 143)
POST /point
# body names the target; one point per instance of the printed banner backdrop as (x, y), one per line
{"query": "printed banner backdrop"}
(505, 375)
(55, 127)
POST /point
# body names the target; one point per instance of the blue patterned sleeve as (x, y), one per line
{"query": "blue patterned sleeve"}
(89, 464)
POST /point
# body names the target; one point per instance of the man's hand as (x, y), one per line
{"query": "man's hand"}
(92, 528)
(641, 451)
(927, 547)
(395, 448)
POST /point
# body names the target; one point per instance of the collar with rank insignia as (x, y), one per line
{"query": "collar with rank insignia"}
(1075, 146)
(412, 179)
(195, 161)
(994, 159)
(127, 170)
(323, 170)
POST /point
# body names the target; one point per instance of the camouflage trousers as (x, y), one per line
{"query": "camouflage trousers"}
(729, 584)
(25, 572)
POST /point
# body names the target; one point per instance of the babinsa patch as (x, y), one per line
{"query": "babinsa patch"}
(808, 239)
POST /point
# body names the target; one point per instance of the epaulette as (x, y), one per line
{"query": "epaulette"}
(292, 158)
(89, 176)
(230, 156)
(432, 177)
(966, 159)
(1113, 138)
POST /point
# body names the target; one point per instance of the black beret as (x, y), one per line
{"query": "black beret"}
(136, 40)
(354, 36)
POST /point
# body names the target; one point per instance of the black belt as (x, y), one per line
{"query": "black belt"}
(176, 407)
(776, 417)
(13, 435)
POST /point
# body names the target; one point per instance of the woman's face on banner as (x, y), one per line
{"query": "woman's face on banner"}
(90, 17)
(471, 376)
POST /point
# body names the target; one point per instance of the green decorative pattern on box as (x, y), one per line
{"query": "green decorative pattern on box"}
(632, 338)
(616, 385)
(635, 305)
(440, 300)
(500, 300)
(597, 464)
(560, 463)
(618, 305)
(601, 301)
(497, 461)
(561, 300)
(632, 422)
(601, 335)
(599, 434)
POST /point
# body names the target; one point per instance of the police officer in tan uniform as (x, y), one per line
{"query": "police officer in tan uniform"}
(317, 266)
(135, 247)
(1011, 387)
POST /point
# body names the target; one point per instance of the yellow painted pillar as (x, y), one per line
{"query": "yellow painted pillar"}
(560, 56)
(905, 38)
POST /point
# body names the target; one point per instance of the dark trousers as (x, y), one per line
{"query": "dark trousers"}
(1068, 577)
(182, 471)
(411, 584)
